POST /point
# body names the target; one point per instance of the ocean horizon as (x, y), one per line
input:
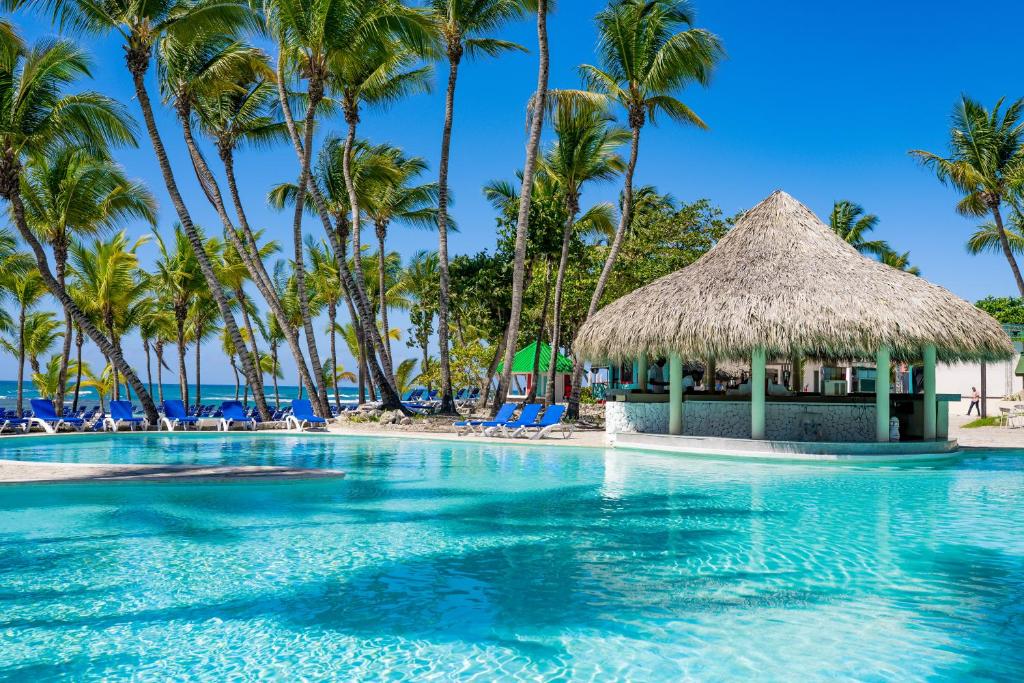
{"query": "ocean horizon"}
(211, 393)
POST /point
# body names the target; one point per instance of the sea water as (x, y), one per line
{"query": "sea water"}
(477, 561)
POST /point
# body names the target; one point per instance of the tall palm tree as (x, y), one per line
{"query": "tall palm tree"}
(42, 330)
(191, 66)
(67, 192)
(852, 224)
(327, 292)
(36, 115)
(311, 36)
(27, 289)
(397, 199)
(156, 327)
(177, 278)
(985, 163)
(463, 28)
(584, 151)
(420, 282)
(649, 50)
(895, 259)
(986, 239)
(538, 104)
(108, 277)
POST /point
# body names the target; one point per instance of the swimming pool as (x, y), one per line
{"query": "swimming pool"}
(481, 561)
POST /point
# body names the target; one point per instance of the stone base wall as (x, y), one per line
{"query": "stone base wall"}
(646, 418)
(731, 419)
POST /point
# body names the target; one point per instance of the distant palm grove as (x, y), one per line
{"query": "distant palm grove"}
(77, 221)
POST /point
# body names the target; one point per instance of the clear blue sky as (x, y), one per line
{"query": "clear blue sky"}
(821, 99)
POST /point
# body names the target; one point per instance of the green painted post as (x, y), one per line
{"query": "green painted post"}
(930, 408)
(757, 388)
(675, 395)
(882, 394)
(641, 371)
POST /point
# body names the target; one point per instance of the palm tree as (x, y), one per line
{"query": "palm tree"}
(986, 163)
(273, 336)
(177, 278)
(69, 191)
(405, 375)
(103, 383)
(395, 198)
(47, 381)
(463, 28)
(585, 151)
(649, 50)
(108, 277)
(37, 115)
(156, 328)
(899, 261)
(986, 238)
(420, 282)
(27, 289)
(314, 37)
(42, 330)
(328, 292)
(852, 224)
(191, 66)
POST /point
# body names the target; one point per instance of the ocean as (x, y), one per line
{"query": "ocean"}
(211, 394)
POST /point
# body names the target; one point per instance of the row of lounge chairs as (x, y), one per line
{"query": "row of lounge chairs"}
(175, 416)
(530, 422)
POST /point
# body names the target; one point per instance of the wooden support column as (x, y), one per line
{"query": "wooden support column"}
(882, 394)
(675, 395)
(757, 389)
(930, 408)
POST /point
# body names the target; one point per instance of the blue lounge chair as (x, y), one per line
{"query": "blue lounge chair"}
(233, 413)
(548, 422)
(469, 426)
(122, 412)
(303, 415)
(45, 415)
(175, 415)
(527, 416)
(11, 420)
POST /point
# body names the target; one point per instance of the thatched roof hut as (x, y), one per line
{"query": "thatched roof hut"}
(783, 281)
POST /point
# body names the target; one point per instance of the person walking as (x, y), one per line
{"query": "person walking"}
(975, 401)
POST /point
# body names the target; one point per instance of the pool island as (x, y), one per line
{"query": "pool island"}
(782, 287)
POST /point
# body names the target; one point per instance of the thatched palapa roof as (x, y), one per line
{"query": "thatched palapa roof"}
(783, 280)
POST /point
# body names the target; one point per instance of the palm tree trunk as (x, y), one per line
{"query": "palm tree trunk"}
(625, 219)
(273, 375)
(998, 218)
(332, 315)
(159, 349)
(116, 396)
(149, 366)
(182, 373)
(10, 190)
(447, 398)
(522, 222)
(392, 400)
(556, 315)
(138, 65)
(234, 369)
(19, 406)
(60, 261)
(247, 322)
(78, 369)
(260, 277)
(381, 267)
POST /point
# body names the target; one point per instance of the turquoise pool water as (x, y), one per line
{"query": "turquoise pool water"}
(475, 561)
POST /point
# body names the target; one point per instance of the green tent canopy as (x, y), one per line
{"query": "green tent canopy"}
(1019, 371)
(522, 362)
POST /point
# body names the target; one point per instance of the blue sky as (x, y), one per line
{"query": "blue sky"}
(820, 99)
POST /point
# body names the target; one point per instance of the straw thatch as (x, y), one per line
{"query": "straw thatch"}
(782, 280)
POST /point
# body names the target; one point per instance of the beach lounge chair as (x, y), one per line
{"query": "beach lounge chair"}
(303, 416)
(527, 416)
(548, 422)
(10, 420)
(233, 413)
(122, 412)
(470, 426)
(175, 415)
(45, 415)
